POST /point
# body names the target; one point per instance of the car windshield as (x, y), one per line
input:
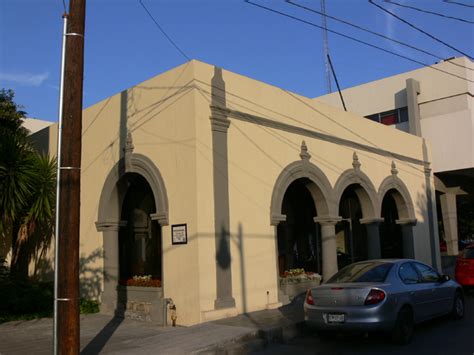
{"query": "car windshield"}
(363, 272)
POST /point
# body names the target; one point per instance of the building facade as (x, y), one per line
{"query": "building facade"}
(435, 103)
(215, 184)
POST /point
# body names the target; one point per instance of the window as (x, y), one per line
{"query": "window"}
(427, 273)
(363, 272)
(408, 274)
(390, 117)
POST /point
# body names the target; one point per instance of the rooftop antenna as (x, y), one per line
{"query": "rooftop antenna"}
(326, 47)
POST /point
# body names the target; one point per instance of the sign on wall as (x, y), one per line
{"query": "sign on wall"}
(179, 234)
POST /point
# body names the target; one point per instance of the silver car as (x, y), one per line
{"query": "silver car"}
(385, 295)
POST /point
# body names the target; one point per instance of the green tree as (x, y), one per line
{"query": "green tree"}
(27, 190)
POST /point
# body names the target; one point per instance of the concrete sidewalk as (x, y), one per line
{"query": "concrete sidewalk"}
(106, 335)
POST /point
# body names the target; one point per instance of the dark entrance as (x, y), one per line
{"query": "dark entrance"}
(391, 239)
(299, 241)
(351, 234)
(140, 240)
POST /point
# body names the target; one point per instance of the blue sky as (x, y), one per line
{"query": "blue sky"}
(123, 46)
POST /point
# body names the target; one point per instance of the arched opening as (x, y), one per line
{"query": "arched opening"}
(391, 237)
(351, 235)
(140, 251)
(299, 241)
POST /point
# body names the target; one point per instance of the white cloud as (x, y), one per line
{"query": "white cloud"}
(26, 79)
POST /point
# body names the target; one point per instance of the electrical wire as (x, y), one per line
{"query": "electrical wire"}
(163, 31)
(419, 29)
(64, 6)
(374, 33)
(428, 12)
(358, 41)
(457, 3)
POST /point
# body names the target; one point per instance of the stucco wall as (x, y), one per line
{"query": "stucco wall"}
(159, 115)
(258, 154)
(169, 120)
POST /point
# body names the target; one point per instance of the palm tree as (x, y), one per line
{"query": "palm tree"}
(27, 191)
(38, 223)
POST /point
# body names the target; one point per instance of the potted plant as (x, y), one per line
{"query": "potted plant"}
(296, 281)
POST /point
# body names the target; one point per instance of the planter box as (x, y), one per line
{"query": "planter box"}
(140, 303)
(294, 289)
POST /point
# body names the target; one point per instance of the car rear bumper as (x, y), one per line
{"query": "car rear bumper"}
(360, 318)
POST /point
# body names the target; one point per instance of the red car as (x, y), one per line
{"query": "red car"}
(464, 271)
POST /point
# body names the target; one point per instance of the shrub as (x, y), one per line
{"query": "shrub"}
(87, 306)
(22, 300)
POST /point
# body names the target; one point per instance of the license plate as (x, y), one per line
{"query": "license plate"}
(336, 318)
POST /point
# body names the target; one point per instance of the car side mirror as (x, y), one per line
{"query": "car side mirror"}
(444, 278)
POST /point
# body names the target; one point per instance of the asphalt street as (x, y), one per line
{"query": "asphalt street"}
(442, 336)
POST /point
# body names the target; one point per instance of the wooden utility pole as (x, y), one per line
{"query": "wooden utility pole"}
(70, 180)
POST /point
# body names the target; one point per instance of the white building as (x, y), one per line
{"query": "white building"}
(434, 103)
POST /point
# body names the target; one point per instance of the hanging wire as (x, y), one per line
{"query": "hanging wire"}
(457, 3)
(419, 29)
(374, 33)
(428, 12)
(163, 31)
(359, 41)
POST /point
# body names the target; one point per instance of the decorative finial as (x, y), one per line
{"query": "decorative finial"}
(129, 147)
(304, 152)
(394, 169)
(355, 161)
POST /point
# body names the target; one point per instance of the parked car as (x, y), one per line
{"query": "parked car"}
(464, 270)
(382, 295)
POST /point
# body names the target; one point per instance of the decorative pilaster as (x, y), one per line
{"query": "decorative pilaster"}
(220, 125)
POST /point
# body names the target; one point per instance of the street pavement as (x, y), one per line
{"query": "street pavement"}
(277, 331)
(442, 336)
(106, 335)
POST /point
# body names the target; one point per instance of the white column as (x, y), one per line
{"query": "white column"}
(373, 236)
(450, 222)
(329, 248)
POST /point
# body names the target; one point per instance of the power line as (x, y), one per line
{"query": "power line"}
(163, 31)
(374, 33)
(457, 3)
(359, 41)
(419, 29)
(428, 12)
(64, 6)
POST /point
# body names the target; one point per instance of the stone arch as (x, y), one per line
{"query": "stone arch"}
(320, 189)
(109, 219)
(111, 197)
(365, 191)
(406, 210)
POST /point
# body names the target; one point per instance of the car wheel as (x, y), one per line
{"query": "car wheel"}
(458, 306)
(404, 327)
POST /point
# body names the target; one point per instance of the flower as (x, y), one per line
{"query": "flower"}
(141, 281)
(298, 275)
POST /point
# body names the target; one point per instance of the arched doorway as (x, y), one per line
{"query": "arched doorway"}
(351, 235)
(391, 238)
(132, 209)
(299, 241)
(140, 238)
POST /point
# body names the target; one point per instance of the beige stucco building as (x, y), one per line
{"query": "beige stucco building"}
(248, 180)
(435, 103)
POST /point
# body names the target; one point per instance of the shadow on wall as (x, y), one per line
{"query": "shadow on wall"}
(90, 274)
